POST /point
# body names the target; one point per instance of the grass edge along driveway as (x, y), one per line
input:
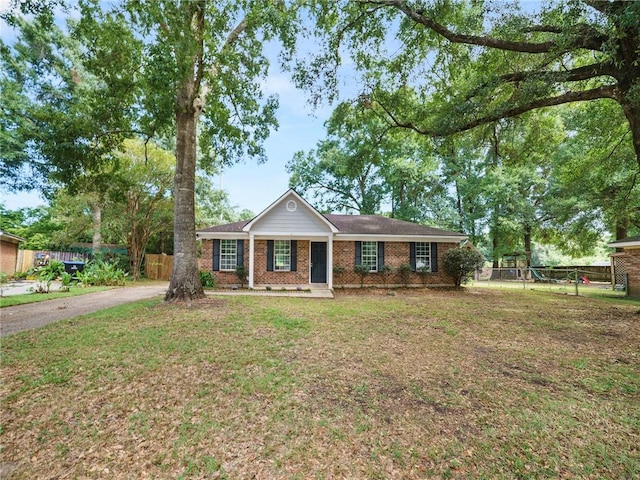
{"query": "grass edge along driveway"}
(474, 383)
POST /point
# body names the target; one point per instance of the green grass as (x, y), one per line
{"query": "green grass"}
(597, 291)
(477, 383)
(22, 299)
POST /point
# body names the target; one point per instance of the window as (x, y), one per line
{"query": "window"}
(423, 255)
(282, 255)
(228, 254)
(370, 255)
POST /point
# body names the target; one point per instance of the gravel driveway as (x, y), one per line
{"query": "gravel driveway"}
(34, 315)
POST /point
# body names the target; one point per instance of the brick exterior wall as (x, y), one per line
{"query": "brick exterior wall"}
(261, 276)
(395, 254)
(8, 257)
(632, 263)
(222, 278)
(299, 277)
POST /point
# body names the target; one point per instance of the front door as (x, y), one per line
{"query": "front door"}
(318, 262)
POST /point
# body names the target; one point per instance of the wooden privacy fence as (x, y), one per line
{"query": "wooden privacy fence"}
(158, 266)
(27, 259)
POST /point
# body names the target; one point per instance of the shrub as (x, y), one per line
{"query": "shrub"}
(338, 271)
(424, 272)
(362, 271)
(207, 279)
(66, 280)
(404, 270)
(386, 271)
(461, 262)
(242, 275)
(98, 272)
(46, 274)
(20, 275)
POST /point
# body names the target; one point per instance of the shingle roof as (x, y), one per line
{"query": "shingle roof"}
(358, 225)
(379, 225)
(227, 228)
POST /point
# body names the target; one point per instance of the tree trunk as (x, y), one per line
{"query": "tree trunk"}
(527, 249)
(185, 281)
(633, 116)
(134, 258)
(96, 219)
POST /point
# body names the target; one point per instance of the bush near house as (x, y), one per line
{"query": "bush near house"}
(362, 271)
(459, 263)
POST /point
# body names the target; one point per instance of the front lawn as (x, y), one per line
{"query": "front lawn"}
(477, 383)
(25, 298)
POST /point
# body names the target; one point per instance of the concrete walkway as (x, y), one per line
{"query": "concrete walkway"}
(35, 315)
(314, 293)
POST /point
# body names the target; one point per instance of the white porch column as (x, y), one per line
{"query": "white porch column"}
(251, 262)
(330, 261)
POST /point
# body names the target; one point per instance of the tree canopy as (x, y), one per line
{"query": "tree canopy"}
(187, 69)
(474, 63)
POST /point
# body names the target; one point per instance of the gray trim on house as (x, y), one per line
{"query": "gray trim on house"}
(626, 242)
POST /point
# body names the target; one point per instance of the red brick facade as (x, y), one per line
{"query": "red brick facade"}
(395, 254)
(631, 259)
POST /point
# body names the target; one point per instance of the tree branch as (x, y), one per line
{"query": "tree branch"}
(586, 36)
(232, 38)
(484, 41)
(574, 75)
(605, 6)
(607, 91)
(200, 26)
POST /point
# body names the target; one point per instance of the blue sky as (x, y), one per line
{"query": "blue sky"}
(256, 186)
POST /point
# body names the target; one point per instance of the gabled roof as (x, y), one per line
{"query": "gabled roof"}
(626, 242)
(298, 198)
(355, 225)
(347, 227)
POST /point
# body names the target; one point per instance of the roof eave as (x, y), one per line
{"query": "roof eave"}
(11, 238)
(387, 237)
(212, 235)
(624, 244)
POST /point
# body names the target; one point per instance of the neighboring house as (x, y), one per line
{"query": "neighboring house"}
(625, 265)
(292, 244)
(9, 252)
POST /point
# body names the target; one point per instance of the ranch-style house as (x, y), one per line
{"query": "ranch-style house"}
(292, 245)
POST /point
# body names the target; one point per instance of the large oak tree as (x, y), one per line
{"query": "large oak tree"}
(515, 59)
(202, 66)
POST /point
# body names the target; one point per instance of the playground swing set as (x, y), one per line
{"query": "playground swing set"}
(570, 278)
